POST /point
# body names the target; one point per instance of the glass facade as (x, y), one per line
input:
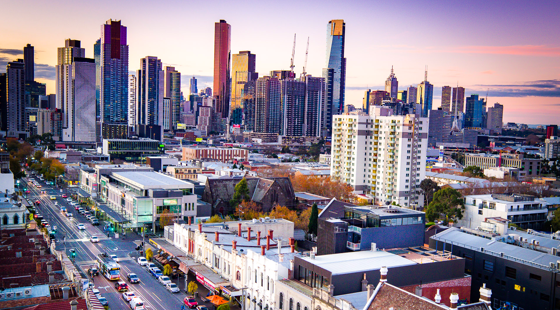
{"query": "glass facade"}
(336, 30)
(313, 279)
(475, 110)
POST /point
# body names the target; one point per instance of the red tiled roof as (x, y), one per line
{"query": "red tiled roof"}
(59, 305)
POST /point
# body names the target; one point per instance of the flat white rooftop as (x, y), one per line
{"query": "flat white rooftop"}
(151, 180)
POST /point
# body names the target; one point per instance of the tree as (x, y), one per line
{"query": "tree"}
(15, 167)
(240, 194)
(215, 219)
(281, 212)
(285, 149)
(38, 155)
(149, 254)
(192, 287)
(234, 166)
(447, 202)
(429, 187)
(167, 269)
(223, 307)
(242, 167)
(556, 220)
(303, 219)
(313, 224)
(473, 171)
(248, 210)
(165, 218)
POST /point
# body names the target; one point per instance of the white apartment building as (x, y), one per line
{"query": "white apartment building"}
(390, 149)
(523, 210)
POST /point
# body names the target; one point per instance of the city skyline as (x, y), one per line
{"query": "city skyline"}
(516, 63)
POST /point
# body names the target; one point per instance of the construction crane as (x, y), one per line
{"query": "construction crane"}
(293, 56)
(304, 73)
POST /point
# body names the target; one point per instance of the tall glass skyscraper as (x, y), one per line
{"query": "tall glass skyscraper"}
(425, 96)
(222, 67)
(475, 112)
(173, 92)
(336, 30)
(150, 91)
(392, 85)
(113, 70)
(243, 71)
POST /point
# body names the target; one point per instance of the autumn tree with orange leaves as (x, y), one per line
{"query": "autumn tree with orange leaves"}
(322, 186)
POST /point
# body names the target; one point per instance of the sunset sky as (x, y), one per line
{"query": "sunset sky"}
(510, 49)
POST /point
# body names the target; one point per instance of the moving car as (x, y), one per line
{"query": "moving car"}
(114, 257)
(142, 261)
(103, 301)
(136, 304)
(64, 196)
(164, 280)
(81, 226)
(68, 214)
(132, 278)
(94, 239)
(172, 287)
(121, 286)
(52, 197)
(190, 302)
(128, 296)
(37, 201)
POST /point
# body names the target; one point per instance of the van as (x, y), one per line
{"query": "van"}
(136, 304)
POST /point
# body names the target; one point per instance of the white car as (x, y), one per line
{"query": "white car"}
(81, 226)
(114, 257)
(142, 261)
(172, 287)
(164, 280)
(96, 292)
(94, 239)
(128, 296)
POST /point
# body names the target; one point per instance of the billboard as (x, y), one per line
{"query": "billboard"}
(170, 202)
(198, 139)
(181, 126)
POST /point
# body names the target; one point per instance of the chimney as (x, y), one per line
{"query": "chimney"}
(370, 289)
(383, 272)
(200, 227)
(239, 229)
(49, 266)
(293, 248)
(74, 305)
(454, 299)
(259, 237)
(485, 294)
(418, 291)
(248, 233)
(279, 246)
(42, 250)
(51, 277)
(217, 236)
(38, 267)
(271, 233)
(262, 250)
(268, 242)
(437, 298)
(292, 241)
(364, 283)
(189, 220)
(234, 244)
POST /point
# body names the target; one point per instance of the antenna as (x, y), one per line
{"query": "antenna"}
(304, 73)
(426, 74)
(293, 55)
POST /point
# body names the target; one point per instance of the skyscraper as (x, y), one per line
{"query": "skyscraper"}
(336, 30)
(293, 107)
(132, 100)
(411, 93)
(64, 92)
(314, 105)
(173, 92)
(425, 95)
(15, 98)
(248, 102)
(113, 70)
(243, 71)
(458, 99)
(268, 105)
(474, 113)
(495, 118)
(150, 92)
(29, 61)
(392, 85)
(193, 89)
(446, 98)
(326, 126)
(3, 103)
(222, 60)
(97, 57)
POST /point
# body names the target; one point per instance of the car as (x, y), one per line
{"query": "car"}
(201, 308)
(103, 301)
(93, 271)
(172, 287)
(43, 192)
(37, 201)
(81, 226)
(87, 214)
(64, 196)
(156, 272)
(114, 257)
(121, 286)
(94, 222)
(76, 207)
(68, 214)
(142, 261)
(164, 280)
(63, 209)
(44, 223)
(136, 304)
(128, 296)
(28, 192)
(190, 302)
(96, 292)
(132, 278)
(81, 210)
(69, 199)
(150, 266)
(94, 239)
(52, 197)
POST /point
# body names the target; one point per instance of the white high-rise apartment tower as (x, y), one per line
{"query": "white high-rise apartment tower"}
(381, 155)
(131, 100)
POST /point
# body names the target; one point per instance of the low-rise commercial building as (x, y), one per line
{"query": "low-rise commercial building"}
(184, 172)
(220, 154)
(528, 167)
(132, 150)
(552, 147)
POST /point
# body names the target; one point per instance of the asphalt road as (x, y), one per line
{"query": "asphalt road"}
(154, 294)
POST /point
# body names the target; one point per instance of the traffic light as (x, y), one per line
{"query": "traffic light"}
(73, 254)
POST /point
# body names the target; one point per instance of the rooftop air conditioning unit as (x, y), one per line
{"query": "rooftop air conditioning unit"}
(27, 291)
(552, 265)
(10, 295)
(19, 294)
(2, 296)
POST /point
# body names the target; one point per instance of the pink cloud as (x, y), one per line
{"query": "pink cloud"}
(488, 72)
(520, 50)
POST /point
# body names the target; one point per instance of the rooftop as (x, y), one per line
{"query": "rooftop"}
(385, 211)
(151, 180)
(454, 177)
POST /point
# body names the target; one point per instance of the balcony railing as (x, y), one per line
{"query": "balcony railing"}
(355, 229)
(353, 246)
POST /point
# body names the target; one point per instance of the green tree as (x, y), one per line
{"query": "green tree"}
(313, 224)
(149, 254)
(215, 219)
(240, 194)
(15, 167)
(234, 166)
(167, 269)
(556, 220)
(192, 288)
(38, 155)
(286, 149)
(429, 188)
(447, 203)
(223, 307)
(473, 171)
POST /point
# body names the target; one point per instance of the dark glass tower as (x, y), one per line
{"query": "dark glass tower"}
(336, 30)
(222, 67)
(29, 61)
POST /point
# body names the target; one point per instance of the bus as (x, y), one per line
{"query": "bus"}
(108, 267)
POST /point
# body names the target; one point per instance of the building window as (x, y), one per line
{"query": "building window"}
(534, 277)
(511, 272)
(298, 306)
(5, 220)
(281, 301)
(16, 219)
(291, 306)
(488, 266)
(256, 276)
(262, 279)
(238, 275)
(268, 283)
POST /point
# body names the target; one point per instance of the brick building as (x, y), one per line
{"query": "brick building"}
(221, 154)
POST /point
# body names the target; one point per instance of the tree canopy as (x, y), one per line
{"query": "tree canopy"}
(240, 194)
(447, 204)
(313, 220)
(473, 171)
(429, 188)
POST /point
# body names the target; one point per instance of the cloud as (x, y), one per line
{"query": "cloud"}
(488, 72)
(43, 71)
(11, 51)
(538, 88)
(519, 50)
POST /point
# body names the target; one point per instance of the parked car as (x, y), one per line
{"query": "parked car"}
(142, 261)
(128, 296)
(64, 196)
(172, 287)
(121, 286)
(81, 226)
(150, 266)
(201, 308)
(69, 199)
(103, 301)
(94, 222)
(156, 272)
(94, 239)
(132, 278)
(190, 302)
(164, 280)
(96, 292)
(136, 304)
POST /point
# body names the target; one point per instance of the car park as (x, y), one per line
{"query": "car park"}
(121, 286)
(142, 261)
(164, 280)
(172, 287)
(132, 278)
(190, 302)
(128, 296)
(81, 226)
(94, 239)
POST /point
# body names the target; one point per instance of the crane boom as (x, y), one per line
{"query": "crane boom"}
(304, 73)
(293, 55)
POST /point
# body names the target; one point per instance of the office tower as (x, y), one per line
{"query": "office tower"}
(411, 93)
(166, 110)
(336, 37)
(326, 126)
(97, 57)
(3, 103)
(173, 92)
(551, 130)
(243, 71)
(392, 85)
(425, 95)
(458, 99)
(113, 88)
(132, 100)
(440, 127)
(65, 56)
(293, 107)
(383, 155)
(193, 89)
(150, 92)
(29, 61)
(15, 98)
(446, 98)
(474, 113)
(495, 118)
(222, 57)
(402, 96)
(268, 105)
(314, 105)
(365, 101)
(50, 121)
(248, 103)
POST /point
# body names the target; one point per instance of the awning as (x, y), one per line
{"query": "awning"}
(231, 291)
(208, 277)
(217, 300)
(117, 218)
(83, 193)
